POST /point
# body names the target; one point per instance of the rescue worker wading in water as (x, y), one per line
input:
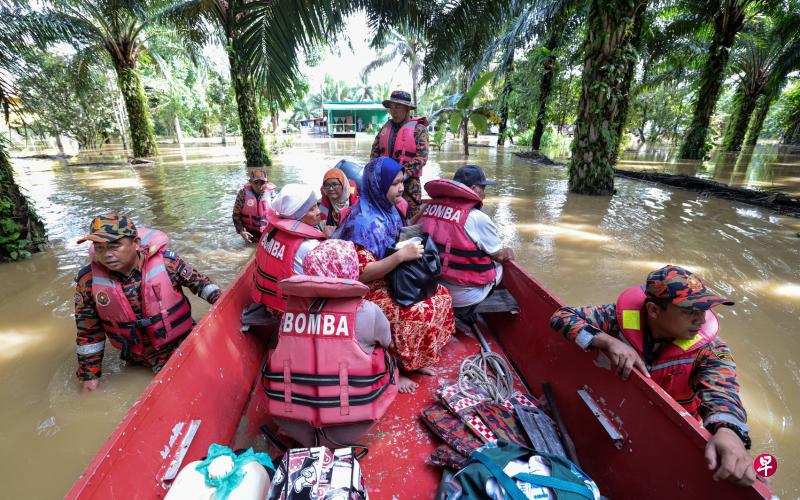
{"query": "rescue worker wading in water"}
(667, 331)
(131, 293)
(253, 206)
(405, 140)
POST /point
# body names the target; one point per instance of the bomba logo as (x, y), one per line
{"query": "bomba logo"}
(274, 248)
(251, 203)
(315, 324)
(444, 212)
(102, 299)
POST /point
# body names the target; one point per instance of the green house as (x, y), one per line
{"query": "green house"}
(347, 118)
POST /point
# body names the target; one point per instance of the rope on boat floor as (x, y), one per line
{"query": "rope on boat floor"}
(489, 373)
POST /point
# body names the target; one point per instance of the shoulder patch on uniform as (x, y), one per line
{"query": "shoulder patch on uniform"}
(721, 353)
(169, 254)
(86, 269)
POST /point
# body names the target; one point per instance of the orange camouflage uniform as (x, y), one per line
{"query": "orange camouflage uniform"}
(90, 329)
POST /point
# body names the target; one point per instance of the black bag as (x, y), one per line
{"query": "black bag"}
(415, 280)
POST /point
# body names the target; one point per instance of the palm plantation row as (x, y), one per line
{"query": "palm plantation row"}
(683, 72)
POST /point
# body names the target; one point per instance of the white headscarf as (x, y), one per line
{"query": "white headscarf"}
(294, 201)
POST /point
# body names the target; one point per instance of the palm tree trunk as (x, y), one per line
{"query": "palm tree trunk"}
(757, 122)
(792, 133)
(635, 41)
(608, 53)
(507, 88)
(27, 234)
(141, 128)
(178, 130)
(255, 150)
(743, 106)
(59, 144)
(727, 24)
(545, 89)
(465, 126)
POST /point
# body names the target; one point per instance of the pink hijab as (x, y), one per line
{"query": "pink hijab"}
(332, 259)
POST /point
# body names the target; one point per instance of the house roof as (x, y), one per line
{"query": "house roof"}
(352, 105)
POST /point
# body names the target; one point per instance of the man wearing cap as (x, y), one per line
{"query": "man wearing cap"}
(470, 249)
(404, 139)
(253, 205)
(132, 294)
(667, 331)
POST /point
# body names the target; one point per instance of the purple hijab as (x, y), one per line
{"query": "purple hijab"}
(373, 222)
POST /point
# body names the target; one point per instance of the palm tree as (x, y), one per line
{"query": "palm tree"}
(193, 18)
(609, 53)
(110, 30)
(21, 230)
(726, 18)
(364, 90)
(404, 44)
(764, 59)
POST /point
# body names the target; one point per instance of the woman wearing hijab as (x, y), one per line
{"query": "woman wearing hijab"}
(338, 259)
(338, 194)
(419, 331)
(289, 236)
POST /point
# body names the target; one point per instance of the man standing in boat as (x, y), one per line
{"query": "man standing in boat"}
(132, 294)
(667, 331)
(471, 251)
(404, 139)
(253, 206)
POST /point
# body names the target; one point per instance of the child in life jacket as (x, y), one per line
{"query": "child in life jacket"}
(328, 332)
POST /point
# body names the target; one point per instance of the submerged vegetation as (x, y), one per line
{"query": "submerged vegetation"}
(599, 74)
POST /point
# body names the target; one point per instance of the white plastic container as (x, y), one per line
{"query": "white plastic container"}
(191, 484)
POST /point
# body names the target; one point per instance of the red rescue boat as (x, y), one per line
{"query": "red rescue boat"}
(631, 437)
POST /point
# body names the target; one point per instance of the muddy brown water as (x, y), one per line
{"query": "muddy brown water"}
(584, 249)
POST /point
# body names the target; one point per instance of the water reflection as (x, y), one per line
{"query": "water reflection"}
(585, 249)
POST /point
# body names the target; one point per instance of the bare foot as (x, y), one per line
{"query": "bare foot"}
(426, 370)
(406, 385)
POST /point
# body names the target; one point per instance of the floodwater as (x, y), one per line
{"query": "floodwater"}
(585, 249)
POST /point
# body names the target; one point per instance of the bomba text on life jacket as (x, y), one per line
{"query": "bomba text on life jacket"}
(444, 212)
(315, 324)
(274, 248)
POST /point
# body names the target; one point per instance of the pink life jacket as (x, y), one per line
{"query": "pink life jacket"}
(325, 206)
(166, 312)
(331, 379)
(673, 367)
(256, 210)
(405, 145)
(444, 218)
(275, 258)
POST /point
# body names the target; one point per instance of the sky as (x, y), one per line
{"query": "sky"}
(347, 64)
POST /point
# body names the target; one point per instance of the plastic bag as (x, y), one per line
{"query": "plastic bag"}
(416, 280)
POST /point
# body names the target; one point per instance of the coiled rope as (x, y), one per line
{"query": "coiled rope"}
(487, 372)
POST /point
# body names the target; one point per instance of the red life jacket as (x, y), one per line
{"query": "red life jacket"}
(166, 312)
(673, 367)
(405, 145)
(332, 380)
(275, 258)
(256, 210)
(325, 206)
(444, 218)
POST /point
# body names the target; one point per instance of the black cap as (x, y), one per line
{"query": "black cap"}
(472, 175)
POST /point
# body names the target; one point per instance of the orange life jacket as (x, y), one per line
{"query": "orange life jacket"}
(405, 144)
(166, 312)
(444, 218)
(318, 373)
(673, 367)
(275, 258)
(256, 210)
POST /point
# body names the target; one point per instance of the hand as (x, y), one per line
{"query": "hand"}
(726, 453)
(246, 236)
(503, 255)
(412, 251)
(90, 385)
(623, 357)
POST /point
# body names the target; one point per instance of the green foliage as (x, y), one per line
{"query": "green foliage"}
(60, 101)
(21, 230)
(462, 110)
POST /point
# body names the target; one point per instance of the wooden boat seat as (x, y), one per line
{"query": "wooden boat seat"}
(499, 301)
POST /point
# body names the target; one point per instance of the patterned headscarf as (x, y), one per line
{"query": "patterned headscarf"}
(332, 259)
(374, 221)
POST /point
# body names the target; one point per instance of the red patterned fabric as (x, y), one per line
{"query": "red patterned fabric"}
(420, 331)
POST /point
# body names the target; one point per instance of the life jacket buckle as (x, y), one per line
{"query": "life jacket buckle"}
(143, 323)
